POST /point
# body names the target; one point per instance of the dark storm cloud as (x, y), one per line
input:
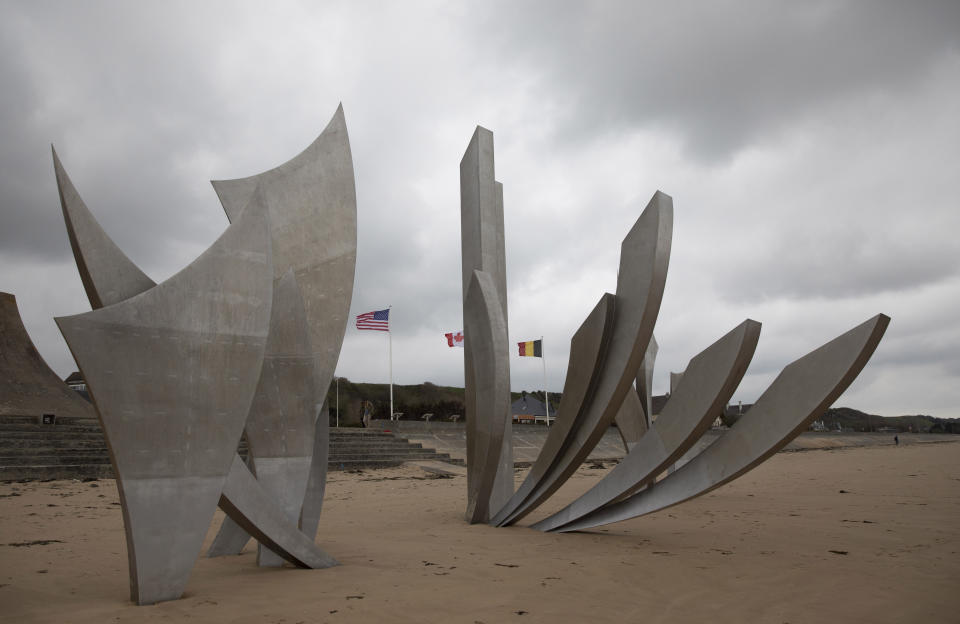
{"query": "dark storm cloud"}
(718, 74)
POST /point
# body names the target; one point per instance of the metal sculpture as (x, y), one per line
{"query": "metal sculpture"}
(172, 372)
(716, 373)
(615, 348)
(108, 275)
(310, 200)
(644, 257)
(311, 205)
(797, 397)
(489, 439)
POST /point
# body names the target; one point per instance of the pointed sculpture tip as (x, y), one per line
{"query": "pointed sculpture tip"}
(58, 171)
(881, 322)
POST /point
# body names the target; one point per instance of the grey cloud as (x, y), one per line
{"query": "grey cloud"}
(145, 103)
(718, 74)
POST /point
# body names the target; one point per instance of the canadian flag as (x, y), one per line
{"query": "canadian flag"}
(455, 339)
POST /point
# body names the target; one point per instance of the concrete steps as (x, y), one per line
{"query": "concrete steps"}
(76, 449)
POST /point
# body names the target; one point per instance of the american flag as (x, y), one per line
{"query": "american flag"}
(378, 320)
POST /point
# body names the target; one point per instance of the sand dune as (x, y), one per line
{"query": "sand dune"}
(858, 535)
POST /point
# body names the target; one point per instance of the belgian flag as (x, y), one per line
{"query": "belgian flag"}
(533, 348)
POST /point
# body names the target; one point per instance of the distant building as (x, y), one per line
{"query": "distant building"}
(530, 410)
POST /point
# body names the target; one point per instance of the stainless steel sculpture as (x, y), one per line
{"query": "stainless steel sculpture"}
(311, 205)
(281, 424)
(644, 257)
(715, 374)
(797, 397)
(489, 440)
(309, 200)
(172, 372)
(483, 319)
(108, 275)
(615, 348)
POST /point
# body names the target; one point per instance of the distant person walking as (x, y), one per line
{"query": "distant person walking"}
(896, 440)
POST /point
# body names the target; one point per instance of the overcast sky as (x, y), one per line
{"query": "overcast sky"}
(812, 150)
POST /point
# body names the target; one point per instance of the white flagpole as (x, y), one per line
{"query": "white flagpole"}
(546, 397)
(390, 336)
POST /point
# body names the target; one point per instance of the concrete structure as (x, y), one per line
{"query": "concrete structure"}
(450, 438)
(713, 375)
(199, 338)
(798, 396)
(28, 387)
(644, 258)
(489, 467)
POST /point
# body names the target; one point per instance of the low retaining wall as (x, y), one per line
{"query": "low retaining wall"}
(451, 438)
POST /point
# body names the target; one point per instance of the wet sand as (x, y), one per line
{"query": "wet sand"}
(854, 535)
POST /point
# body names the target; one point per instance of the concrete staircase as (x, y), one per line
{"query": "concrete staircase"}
(363, 448)
(76, 449)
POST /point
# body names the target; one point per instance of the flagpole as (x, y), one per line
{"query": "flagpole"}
(546, 397)
(390, 337)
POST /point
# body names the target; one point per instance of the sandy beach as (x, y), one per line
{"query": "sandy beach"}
(856, 535)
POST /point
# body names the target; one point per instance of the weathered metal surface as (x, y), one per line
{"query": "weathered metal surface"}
(482, 249)
(108, 275)
(636, 414)
(630, 420)
(281, 423)
(317, 483)
(311, 204)
(231, 538)
(712, 376)
(644, 257)
(485, 328)
(254, 510)
(797, 397)
(172, 371)
(28, 387)
(587, 348)
(644, 381)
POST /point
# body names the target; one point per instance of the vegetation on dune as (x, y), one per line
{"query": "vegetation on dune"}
(446, 402)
